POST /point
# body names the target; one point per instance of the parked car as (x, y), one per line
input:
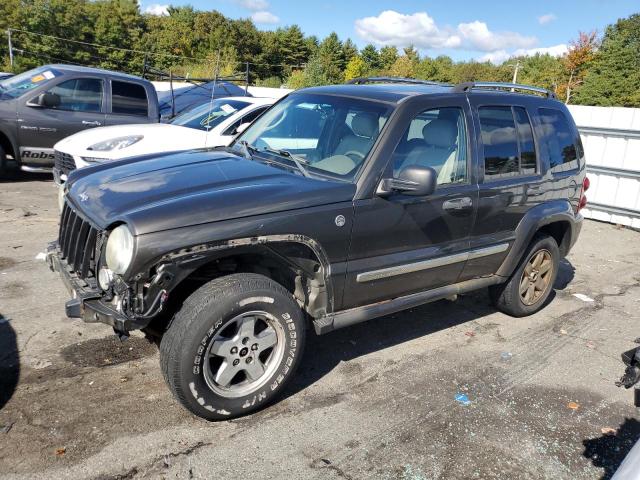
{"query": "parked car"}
(186, 97)
(338, 205)
(212, 124)
(42, 106)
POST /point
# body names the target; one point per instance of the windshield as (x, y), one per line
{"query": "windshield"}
(329, 135)
(15, 86)
(209, 115)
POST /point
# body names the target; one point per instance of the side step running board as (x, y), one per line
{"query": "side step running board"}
(345, 318)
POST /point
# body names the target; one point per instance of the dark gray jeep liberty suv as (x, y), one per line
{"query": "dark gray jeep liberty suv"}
(337, 205)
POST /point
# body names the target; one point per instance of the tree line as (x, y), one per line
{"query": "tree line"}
(114, 34)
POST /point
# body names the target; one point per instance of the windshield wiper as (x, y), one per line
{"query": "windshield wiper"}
(246, 149)
(298, 160)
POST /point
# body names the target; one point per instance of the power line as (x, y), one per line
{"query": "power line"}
(142, 52)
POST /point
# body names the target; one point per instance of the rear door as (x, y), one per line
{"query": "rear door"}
(510, 178)
(81, 106)
(128, 102)
(403, 244)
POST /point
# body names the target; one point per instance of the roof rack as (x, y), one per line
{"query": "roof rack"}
(468, 86)
(411, 81)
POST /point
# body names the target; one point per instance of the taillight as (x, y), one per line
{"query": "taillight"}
(583, 198)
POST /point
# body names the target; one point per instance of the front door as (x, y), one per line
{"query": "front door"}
(39, 128)
(401, 243)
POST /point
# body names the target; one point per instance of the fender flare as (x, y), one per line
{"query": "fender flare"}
(536, 218)
(179, 264)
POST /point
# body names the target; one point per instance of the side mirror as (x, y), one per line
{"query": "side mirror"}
(47, 100)
(241, 128)
(412, 180)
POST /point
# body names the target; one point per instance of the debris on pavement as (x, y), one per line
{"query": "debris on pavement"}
(41, 256)
(608, 431)
(583, 297)
(6, 428)
(61, 451)
(563, 331)
(506, 356)
(462, 399)
(573, 405)
(470, 334)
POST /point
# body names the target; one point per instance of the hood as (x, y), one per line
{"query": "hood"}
(157, 137)
(191, 188)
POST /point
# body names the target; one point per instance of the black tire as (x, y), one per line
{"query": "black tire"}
(507, 298)
(3, 162)
(205, 316)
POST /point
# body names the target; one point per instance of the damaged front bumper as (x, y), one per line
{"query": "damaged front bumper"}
(86, 301)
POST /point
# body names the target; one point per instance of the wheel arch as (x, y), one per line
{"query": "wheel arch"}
(9, 146)
(296, 262)
(555, 219)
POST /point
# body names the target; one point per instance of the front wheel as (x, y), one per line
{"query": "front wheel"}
(530, 285)
(233, 346)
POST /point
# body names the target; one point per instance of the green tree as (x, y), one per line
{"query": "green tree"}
(402, 67)
(349, 50)
(371, 57)
(355, 68)
(388, 56)
(614, 75)
(330, 58)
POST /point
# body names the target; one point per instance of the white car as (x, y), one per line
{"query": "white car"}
(212, 124)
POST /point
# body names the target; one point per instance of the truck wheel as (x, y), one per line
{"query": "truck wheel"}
(233, 346)
(3, 161)
(530, 285)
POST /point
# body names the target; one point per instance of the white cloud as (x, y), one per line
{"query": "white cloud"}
(419, 29)
(500, 56)
(393, 28)
(259, 11)
(546, 18)
(479, 37)
(264, 17)
(254, 5)
(157, 9)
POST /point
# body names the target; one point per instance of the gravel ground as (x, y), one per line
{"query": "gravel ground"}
(377, 400)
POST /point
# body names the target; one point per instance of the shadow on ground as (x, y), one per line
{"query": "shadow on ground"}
(13, 175)
(608, 451)
(325, 352)
(9, 361)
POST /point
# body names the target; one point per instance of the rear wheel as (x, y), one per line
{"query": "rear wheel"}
(233, 346)
(530, 285)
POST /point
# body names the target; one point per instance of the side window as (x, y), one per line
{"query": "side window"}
(526, 141)
(128, 98)
(248, 118)
(435, 138)
(499, 140)
(507, 140)
(79, 95)
(557, 136)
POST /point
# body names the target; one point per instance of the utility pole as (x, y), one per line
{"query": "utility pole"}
(515, 72)
(10, 48)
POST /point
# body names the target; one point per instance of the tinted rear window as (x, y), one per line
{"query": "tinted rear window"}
(499, 140)
(128, 98)
(558, 138)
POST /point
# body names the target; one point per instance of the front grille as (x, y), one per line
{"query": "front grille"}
(64, 162)
(78, 242)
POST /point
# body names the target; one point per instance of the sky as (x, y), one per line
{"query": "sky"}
(464, 30)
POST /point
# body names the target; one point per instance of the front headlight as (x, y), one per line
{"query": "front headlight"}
(116, 143)
(119, 249)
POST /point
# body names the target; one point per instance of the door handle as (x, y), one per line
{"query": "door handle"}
(457, 203)
(94, 123)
